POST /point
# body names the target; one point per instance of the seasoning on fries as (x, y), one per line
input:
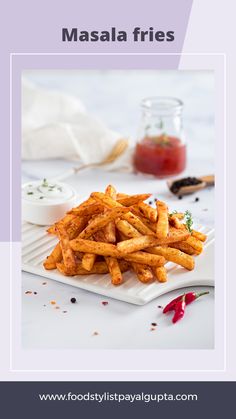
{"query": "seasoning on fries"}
(113, 232)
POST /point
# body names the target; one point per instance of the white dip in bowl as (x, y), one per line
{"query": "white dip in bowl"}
(45, 202)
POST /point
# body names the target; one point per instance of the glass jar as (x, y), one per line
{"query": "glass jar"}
(161, 149)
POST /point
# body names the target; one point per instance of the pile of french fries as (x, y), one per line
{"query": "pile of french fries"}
(112, 232)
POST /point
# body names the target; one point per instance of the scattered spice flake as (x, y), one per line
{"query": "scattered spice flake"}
(44, 305)
(44, 283)
(154, 324)
(52, 302)
(73, 300)
(160, 307)
(28, 292)
(205, 209)
(64, 311)
(197, 199)
(180, 197)
(104, 303)
(57, 307)
(95, 333)
(35, 293)
(152, 329)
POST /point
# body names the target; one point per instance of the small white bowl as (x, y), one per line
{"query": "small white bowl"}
(44, 203)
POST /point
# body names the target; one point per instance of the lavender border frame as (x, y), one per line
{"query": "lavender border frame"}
(165, 65)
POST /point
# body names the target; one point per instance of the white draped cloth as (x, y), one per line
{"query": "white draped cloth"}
(56, 125)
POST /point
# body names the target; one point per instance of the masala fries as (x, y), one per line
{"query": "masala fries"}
(113, 232)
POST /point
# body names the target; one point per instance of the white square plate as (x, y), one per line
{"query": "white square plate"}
(37, 244)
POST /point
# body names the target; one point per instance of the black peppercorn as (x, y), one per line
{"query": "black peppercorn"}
(73, 300)
(180, 197)
(196, 199)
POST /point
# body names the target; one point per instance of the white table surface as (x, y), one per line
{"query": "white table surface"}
(123, 325)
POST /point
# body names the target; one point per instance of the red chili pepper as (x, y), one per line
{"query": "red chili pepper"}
(179, 309)
(189, 298)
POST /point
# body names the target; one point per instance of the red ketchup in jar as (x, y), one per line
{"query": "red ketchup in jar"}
(160, 156)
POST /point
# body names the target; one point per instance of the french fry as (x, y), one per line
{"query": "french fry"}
(114, 269)
(173, 255)
(147, 238)
(99, 236)
(198, 235)
(98, 268)
(137, 223)
(152, 226)
(141, 257)
(130, 200)
(107, 249)
(67, 252)
(88, 261)
(87, 203)
(175, 222)
(110, 228)
(76, 226)
(112, 263)
(148, 212)
(122, 195)
(162, 220)
(110, 237)
(127, 229)
(101, 220)
(91, 209)
(137, 243)
(143, 272)
(195, 243)
(184, 247)
(99, 248)
(53, 258)
(111, 191)
(179, 215)
(176, 235)
(65, 220)
(105, 200)
(160, 273)
(131, 218)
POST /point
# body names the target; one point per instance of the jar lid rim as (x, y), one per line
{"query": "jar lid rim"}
(162, 104)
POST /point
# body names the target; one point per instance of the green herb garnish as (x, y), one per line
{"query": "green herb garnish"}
(45, 183)
(41, 197)
(173, 213)
(188, 220)
(30, 193)
(161, 125)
